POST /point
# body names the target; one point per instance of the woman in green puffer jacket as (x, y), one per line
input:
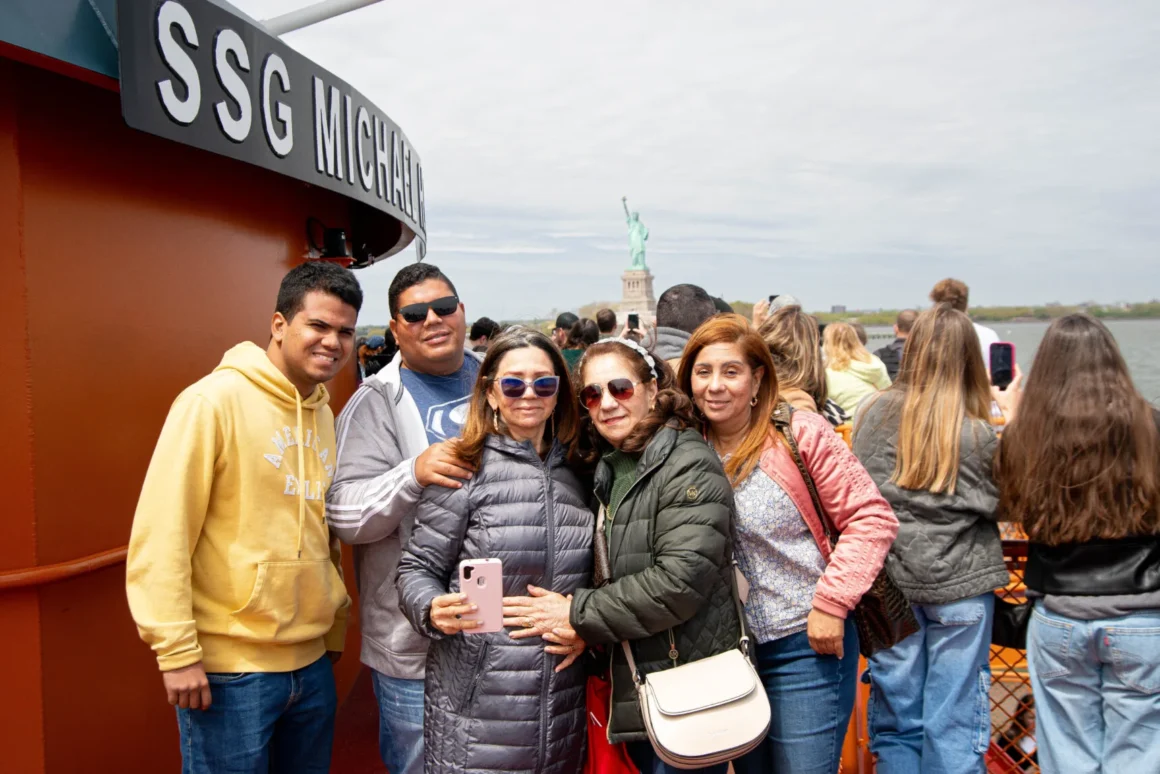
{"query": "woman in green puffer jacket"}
(668, 531)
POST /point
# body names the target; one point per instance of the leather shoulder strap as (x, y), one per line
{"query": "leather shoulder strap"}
(782, 420)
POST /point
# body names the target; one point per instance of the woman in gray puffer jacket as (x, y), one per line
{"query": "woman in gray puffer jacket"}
(494, 703)
(666, 587)
(929, 446)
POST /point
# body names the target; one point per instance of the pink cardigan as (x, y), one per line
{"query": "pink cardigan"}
(852, 501)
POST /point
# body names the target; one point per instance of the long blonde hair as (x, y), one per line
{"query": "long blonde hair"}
(943, 383)
(841, 344)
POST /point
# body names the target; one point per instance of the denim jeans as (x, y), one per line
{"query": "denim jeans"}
(810, 697)
(262, 722)
(400, 723)
(645, 758)
(930, 704)
(1097, 692)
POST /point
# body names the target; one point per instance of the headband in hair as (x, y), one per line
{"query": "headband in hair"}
(638, 349)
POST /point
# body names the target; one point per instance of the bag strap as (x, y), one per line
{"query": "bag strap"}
(782, 420)
(742, 644)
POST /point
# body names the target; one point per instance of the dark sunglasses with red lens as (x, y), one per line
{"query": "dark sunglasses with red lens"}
(544, 387)
(417, 313)
(620, 389)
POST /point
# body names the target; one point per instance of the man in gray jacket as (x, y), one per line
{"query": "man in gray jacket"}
(390, 445)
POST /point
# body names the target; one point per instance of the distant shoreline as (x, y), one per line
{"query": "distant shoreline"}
(981, 314)
(1013, 314)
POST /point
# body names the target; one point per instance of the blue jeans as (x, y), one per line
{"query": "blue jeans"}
(400, 723)
(262, 722)
(1097, 692)
(930, 704)
(810, 697)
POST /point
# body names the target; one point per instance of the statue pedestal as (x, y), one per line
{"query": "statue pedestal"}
(637, 296)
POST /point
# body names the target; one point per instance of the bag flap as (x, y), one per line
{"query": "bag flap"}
(710, 682)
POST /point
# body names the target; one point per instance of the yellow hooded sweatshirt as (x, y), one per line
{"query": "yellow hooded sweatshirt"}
(230, 561)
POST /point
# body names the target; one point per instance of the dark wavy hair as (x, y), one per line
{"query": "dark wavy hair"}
(1081, 459)
(481, 419)
(672, 408)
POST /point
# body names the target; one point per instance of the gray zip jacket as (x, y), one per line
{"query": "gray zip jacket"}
(948, 545)
(494, 704)
(371, 505)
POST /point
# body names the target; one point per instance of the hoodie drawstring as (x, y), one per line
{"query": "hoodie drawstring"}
(302, 482)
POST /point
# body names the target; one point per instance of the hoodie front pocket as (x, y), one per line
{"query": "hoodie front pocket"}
(290, 602)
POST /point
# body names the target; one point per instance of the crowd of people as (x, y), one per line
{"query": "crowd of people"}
(621, 477)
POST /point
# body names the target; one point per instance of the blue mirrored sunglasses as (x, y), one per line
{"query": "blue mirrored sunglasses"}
(543, 387)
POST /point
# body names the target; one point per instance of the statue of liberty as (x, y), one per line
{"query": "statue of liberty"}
(637, 235)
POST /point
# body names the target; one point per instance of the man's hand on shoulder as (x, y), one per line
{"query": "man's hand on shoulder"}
(188, 687)
(439, 465)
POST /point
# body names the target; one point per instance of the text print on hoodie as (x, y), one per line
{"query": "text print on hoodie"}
(230, 561)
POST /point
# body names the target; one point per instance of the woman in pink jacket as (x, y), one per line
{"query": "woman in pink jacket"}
(800, 590)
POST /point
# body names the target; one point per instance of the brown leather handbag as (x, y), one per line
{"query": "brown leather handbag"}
(882, 617)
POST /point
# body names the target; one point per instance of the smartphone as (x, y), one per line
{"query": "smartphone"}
(633, 321)
(773, 297)
(482, 581)
(1002, 364)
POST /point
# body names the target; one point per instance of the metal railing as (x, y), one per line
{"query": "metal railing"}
(54, 573)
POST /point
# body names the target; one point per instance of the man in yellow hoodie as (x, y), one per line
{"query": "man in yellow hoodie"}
(233, 578)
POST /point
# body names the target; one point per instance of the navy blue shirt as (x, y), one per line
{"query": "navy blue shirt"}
(442, 400)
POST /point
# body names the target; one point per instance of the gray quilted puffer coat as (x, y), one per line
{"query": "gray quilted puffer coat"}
(948, 546)
(492, 703)
(670, 552)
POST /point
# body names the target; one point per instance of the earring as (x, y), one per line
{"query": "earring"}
(754, 401)
(495, 421)
(553, 425)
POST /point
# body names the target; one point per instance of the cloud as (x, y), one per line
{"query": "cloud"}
(501, 249)
(849, 155)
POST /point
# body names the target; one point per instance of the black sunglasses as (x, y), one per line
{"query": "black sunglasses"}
(620, 389)
(544, 387)
(444, 307)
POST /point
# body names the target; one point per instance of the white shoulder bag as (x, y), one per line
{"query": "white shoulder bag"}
(709, 711)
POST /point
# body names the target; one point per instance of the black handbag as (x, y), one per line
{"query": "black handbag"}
(883, 617)
(1011, 620)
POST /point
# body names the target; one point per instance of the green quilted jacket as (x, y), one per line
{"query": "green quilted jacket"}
(670, 552)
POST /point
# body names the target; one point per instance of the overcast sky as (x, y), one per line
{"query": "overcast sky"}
(848, 153)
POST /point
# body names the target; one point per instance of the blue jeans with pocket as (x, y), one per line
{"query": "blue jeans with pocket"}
(930, 703)
(811, 697)
(262, 723)
(1097, 692)
(400, 723)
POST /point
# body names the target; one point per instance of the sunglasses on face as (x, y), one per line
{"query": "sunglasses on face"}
(417, 313)
(544, 387)
(619, 389)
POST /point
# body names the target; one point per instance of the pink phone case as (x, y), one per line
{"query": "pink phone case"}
(482, 581)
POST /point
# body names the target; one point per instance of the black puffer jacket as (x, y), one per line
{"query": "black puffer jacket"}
(493, 703)
(670, 552)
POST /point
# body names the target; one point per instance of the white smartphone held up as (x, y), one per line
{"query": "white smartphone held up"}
(482, 581)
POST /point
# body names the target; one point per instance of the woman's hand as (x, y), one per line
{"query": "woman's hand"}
(1009, 398)
(566, 643)
(826, 633)
(760, 312)
(447, 614)
(544, 611)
